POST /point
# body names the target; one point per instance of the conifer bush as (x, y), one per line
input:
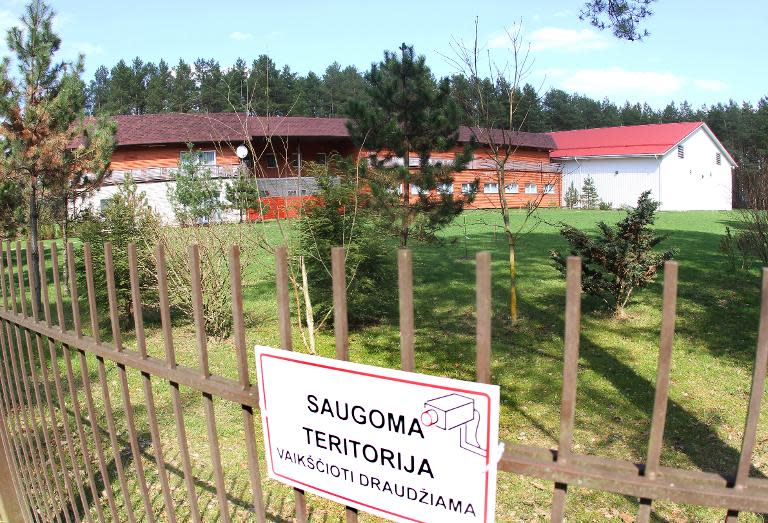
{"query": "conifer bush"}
(619, 259)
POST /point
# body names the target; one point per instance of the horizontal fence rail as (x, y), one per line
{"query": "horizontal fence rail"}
(70, 458)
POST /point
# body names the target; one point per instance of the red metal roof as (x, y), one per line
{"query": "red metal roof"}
(621, 141)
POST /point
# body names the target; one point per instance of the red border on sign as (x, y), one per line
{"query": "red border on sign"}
(399, 380)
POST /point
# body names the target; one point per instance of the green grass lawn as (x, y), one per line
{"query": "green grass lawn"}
(711, 371)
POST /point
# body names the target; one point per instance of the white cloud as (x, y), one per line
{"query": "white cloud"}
(615, 81)
(715, 86)
(566, 39)
(240, 36)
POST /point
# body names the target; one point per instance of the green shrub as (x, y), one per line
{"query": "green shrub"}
(342, 217)
(619, 259)
(195, 196)
(126, 218)
(605, 206)
(214, 243)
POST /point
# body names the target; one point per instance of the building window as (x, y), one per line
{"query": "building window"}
(103, 204)
(271, 161)
(680, 151)
(296, 160)
(549, 188)
(511, 188)
(199, 157)
(321, 158)
(415, 189)
(718, 159)
(530, 188)
(445, 188)
(467, 188)
(490, 188)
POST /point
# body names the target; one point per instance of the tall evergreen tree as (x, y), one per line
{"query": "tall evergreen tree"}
(98, 91)
(183, 89)
(120, 89)
(262, 86)
(137, 89)
(409, 113)
(159, 82)
(236, 86)
(39, 109)
(212, 89)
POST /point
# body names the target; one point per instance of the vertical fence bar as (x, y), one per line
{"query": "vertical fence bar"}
(49, 492)
(483, 291)
(21, 451)
(170, 359)
(210, 415)
(755, 397)
(124, 387)
(405, 293)
(236, 285)
(10, 493)
(146, 380)
(23, 427)
(60, 395)
(286, 341)
(102, 373)
(61, 501)
(659, 417)
(86, 383)
(48, 394)
(570, 371)
(20, 468)
(340, 323)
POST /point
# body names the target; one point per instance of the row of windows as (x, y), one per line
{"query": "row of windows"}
(489, 188)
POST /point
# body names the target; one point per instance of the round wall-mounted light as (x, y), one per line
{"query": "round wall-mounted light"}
(241, 151)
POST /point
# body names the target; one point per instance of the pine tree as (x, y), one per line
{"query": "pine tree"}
(41, 110)
(619, 259)
(183, 89)
(98, 91)
(409, 113)
(589, 197)
(236, 85)
(120, 89)
(212, 89)
(137, 90)
(571, 197)
(158, 87)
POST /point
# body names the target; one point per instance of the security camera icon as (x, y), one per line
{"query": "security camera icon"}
(452, 411)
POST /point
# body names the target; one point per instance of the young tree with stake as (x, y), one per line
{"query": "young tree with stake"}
(500, 142)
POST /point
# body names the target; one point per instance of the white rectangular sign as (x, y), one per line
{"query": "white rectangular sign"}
(404, 446)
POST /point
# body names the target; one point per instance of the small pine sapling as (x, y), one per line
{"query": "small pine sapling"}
(589, 197)
(572, 197)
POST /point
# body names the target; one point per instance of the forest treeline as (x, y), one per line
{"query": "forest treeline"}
(262, 88)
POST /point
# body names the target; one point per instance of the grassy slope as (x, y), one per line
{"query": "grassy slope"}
(714, 348)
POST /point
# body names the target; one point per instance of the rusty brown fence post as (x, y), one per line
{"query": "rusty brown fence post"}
(10, 508)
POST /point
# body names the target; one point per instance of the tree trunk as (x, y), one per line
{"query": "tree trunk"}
(34, 236)
(512, 278)
(501, 176)
(405, 218)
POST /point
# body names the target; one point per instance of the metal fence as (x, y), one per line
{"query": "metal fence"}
(56, 451)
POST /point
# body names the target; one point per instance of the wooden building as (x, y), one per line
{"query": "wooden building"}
(149, 148)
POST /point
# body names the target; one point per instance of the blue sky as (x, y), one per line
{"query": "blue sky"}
(704, 51)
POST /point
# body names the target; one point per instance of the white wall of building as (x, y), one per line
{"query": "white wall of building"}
(694, 182)
(619, 181)
(157, 194)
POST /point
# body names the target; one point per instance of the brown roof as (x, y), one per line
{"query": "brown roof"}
(217, 127)
(500, 136)
(234, 127)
